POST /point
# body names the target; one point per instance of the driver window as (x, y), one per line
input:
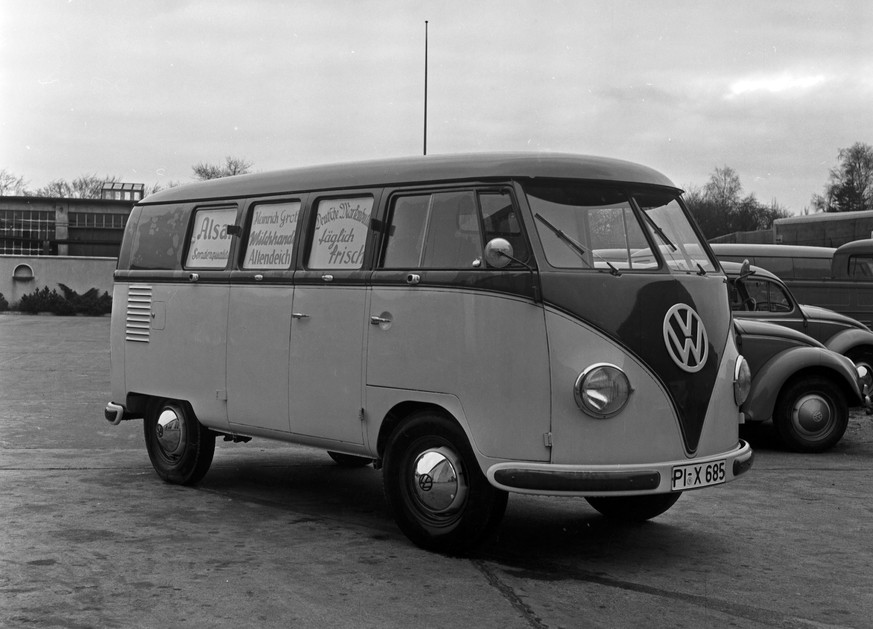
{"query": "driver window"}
(434, 231)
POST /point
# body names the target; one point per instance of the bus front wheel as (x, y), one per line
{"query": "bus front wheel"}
(179, 446)
(634, 508)
(438, 495)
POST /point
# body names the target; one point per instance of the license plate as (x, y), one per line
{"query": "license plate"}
(698, 475)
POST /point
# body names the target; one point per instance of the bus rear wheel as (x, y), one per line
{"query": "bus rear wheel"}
(179, 446)
(438, 495)
(634, 508)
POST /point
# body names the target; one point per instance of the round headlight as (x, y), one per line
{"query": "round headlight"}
(864, 376)
(602, 390)
(742, 380)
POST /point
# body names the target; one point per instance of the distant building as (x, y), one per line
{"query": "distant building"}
(122, 191)
(44, 226)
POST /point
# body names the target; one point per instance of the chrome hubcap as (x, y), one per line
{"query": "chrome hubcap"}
(812, 414)
(170, 432)
(438, 481)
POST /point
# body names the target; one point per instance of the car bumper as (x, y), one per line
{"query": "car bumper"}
(610, 480)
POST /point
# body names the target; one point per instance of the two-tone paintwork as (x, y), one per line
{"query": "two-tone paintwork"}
(337, 359)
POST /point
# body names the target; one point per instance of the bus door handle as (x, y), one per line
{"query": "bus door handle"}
(384, 320)
(299, 315)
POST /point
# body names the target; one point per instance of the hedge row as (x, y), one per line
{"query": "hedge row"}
(66, 303)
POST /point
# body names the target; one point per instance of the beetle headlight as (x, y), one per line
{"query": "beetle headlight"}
(602, 390)
(865, 377)
(742, 380)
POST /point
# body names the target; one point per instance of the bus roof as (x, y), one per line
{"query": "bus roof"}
(418, 169)
(773, 251)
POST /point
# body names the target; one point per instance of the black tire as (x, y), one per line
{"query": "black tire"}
(811, 415)
(179, 446)
(438, 495)
(862, 356)
(349, 460)
(634, 508)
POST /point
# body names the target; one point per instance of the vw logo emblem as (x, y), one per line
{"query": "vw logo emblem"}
(425, 482)
(685, 338)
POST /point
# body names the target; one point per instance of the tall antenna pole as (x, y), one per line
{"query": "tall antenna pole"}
(425, 87)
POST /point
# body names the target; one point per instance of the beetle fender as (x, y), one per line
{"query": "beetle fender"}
(768, 382)
(846, 340)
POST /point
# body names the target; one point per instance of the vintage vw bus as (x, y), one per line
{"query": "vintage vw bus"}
(474, 325)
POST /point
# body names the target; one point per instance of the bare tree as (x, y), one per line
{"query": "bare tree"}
(850, 188)
(232, 166)
(12, 185)
(719, 207)
(724, 187)
(82, 187)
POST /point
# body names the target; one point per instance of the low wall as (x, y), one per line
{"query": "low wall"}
(20, 275)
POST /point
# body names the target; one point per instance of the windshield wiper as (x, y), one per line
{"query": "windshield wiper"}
(574, 245)
(658, 230)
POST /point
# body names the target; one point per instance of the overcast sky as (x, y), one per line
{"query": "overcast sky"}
(145, 89)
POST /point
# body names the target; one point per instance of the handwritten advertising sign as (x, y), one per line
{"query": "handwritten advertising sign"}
(210, 242)
(271, 237)
(340, 233)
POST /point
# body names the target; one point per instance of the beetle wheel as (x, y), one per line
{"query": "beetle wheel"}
(811, 415)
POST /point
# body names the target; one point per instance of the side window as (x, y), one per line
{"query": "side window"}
(340, 234)
(434, 231)
(156, 235)
(766, 296)
(209, 246)
(453, 239)
(499, 220)
(271, 236)
(406, 239)
(861, 267)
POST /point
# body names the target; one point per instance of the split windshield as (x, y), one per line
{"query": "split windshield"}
(587, 227)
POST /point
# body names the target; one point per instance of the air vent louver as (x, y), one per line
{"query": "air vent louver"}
(139, 313)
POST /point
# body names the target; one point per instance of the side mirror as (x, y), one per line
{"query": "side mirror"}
(746, 270)
(498, 253)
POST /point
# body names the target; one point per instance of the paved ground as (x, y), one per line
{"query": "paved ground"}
(278, 536)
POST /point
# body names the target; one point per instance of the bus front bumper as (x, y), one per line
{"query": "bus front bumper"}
(621, 480)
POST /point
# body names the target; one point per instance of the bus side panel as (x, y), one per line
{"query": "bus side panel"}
(259, 329)
(487, 349)
(184, 351)
(646, 430)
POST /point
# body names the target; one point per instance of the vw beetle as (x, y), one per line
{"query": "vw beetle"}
(805, 388)
(758, 294)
